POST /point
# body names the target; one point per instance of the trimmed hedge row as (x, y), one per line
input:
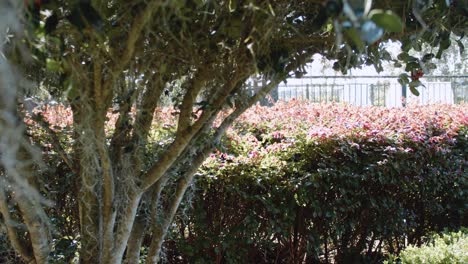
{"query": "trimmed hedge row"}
(274, 194)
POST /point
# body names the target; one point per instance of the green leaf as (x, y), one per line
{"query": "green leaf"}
(406, 43)
(353, 35)
(428, 57)
(412, 59)
(403, 79)
(461, 47)
(387, 20)
(413, 85)
(385, 55)
(404, 56)
(53, 65)
(414, 90)
(413, 65)
(416, 46)
(444, 44)
(71, 92)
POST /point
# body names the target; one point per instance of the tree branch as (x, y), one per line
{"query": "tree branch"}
(108, 213)
(12, 233)
(138, 25)
(161, 227)
(124, 228)
(36, 221)
(98, 87)
(144, 116)
(196, 84)
(122, 126)
(183, 138)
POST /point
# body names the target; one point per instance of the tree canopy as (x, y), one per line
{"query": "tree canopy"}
(130, 57)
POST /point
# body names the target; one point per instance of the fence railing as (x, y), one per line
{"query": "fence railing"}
(372, 90)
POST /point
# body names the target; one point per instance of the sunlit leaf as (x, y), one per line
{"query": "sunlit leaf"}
(53, 65)
(387, 20)
(353, 35)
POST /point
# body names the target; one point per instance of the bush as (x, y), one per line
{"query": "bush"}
(314, 183)
(302, 182)
(450, 247)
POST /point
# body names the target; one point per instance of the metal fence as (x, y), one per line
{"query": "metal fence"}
(372, 90)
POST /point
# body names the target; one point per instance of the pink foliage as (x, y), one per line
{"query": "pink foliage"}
(262, 130)
(325, 120)
(283, 123)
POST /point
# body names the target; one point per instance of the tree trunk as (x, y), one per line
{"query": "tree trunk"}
(156, 245)
(124, 228)
(17, 243)
(89, 173)
(36, 222)
(89, 221)
(136, 239)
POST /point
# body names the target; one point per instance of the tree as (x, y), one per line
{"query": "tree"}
(127, 56)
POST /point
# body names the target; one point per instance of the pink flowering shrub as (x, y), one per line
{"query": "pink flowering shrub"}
(298, 118)
(324, 183)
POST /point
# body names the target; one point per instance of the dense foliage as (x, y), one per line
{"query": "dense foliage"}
(449, 247)
(300, 181)
(106, 184)
(320, 182)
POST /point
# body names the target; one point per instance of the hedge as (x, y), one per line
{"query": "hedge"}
(318, 183)
(305, 183)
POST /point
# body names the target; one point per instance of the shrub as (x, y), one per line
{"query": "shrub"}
(449, 247)
(303, 182)
(300, 182)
